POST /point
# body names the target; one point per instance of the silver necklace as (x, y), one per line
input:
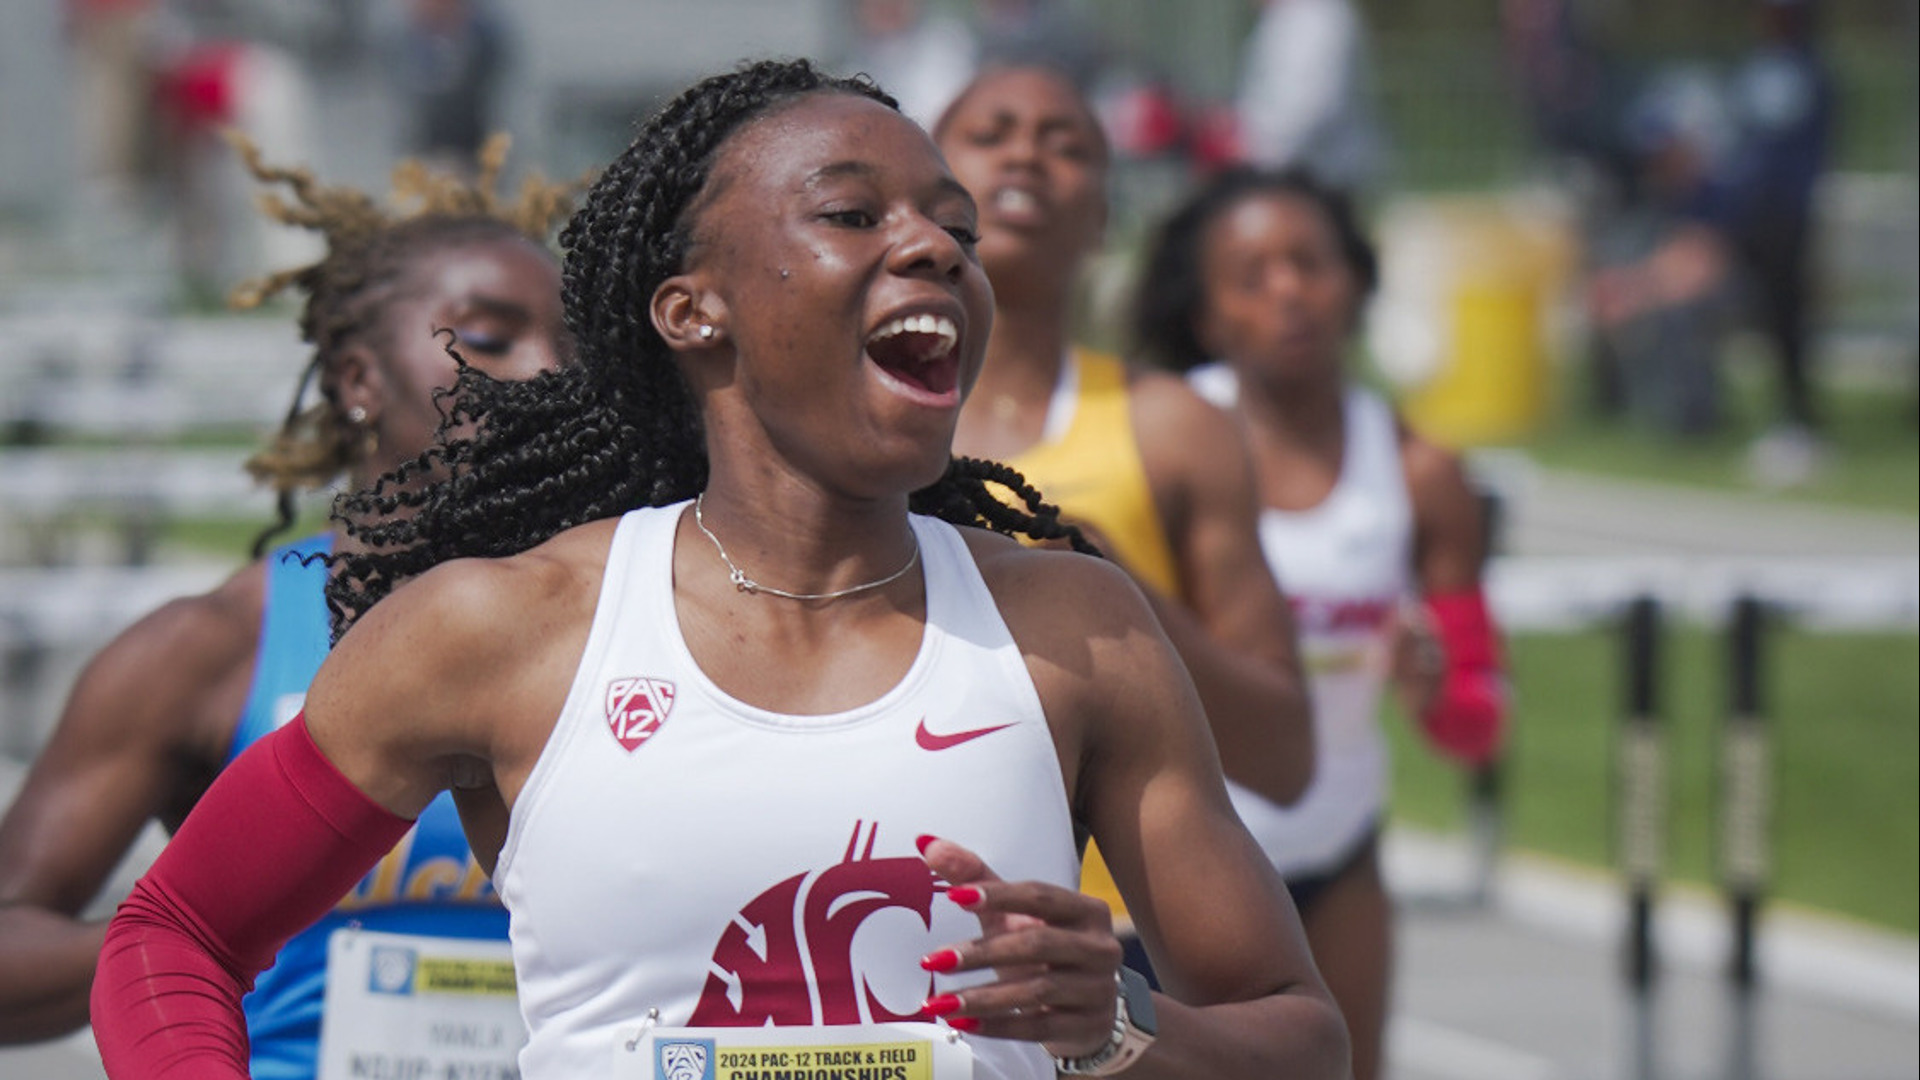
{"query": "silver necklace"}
(747, 585)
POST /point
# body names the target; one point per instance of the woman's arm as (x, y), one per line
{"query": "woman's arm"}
(1245, 999)
(1235, 632)
(144, 729)
(412, 701)
(1462, 705)
(276, 841)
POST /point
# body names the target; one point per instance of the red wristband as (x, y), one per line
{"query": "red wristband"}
(1467, 717)
(273, 844)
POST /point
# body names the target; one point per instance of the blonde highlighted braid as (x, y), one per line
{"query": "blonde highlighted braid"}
(368, 246)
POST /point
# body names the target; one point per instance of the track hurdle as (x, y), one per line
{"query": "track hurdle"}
(1641, 786)
(1745, 770)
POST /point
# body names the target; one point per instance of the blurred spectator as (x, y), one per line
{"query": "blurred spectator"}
(1042, 33)
(112, 92)
(1783, 107)
(1572, 84)
(221, 65)
(922, 60)
(452, 56)
(1662, 284)
(1305, 96)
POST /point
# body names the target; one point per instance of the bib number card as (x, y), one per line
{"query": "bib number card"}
(406, 1006)
(864, 1052)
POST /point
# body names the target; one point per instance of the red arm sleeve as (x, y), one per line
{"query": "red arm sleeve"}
(274, 843)
(1467, 718)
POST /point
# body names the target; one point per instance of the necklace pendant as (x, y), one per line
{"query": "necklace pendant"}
(742, 582)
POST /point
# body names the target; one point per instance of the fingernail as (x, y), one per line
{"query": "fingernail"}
(941, 1005)
(964, 895)
(922, 842)
(944, 960)
(963, 1023)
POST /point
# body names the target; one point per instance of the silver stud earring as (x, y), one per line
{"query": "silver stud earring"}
(706, 332)
(357, 416)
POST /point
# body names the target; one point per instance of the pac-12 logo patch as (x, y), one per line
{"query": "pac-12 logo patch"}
(684, 1059)
(636, 708)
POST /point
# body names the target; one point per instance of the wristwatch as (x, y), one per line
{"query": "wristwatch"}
(1133, 1031)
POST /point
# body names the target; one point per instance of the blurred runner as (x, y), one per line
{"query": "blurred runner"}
(176, 697)
(1255, 288)
(1157, 477)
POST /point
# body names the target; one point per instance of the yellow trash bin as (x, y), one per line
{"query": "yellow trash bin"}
(1470, 286)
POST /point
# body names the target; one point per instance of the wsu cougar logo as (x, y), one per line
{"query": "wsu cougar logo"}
(636, 708)
(789, 957)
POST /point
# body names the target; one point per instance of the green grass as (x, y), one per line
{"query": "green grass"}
(1846, 762)
(1873, 431)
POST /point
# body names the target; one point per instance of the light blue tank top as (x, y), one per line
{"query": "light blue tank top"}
(428, 884)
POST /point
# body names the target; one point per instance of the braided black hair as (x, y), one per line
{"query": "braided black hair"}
(619, 429)
(1170, 298)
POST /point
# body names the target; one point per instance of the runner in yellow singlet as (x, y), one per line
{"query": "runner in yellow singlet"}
(1155, 476)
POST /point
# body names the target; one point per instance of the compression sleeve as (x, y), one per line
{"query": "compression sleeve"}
(275, 842)
(1467, 717)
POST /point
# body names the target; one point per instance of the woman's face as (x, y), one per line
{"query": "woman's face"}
(500, 299)
(833, 255)
(1280, 298)
(1025, 143)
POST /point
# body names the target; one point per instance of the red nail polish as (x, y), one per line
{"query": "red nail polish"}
(922, 842)
(941, 1004)
(943, 960)
(963, 1023)
(964, 895)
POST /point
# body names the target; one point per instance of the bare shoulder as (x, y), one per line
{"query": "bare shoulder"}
(1443, 495)
(1086, 631)
(460, 672)
(219, 625)
(1166, 409)
(176, 667)
(1428, 465)
(1048, 589)
(1189, 445)
(462, 618)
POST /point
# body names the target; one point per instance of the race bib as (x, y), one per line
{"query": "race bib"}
(405, 1006)
(862, 1052)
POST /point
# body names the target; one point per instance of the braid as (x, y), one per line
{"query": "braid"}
(963, 498)
(620, 429)
(368, 247)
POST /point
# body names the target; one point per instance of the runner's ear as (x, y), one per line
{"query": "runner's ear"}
(687, 317)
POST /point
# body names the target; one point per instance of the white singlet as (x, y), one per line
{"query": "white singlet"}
(678, 850)
(1346, 566)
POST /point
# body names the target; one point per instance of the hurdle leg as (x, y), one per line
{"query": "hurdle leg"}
(1745, 804)
(1640, 787)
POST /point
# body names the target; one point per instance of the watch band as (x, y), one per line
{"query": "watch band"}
(1133, 1031)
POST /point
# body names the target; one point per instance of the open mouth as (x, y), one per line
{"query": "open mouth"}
(1015, 205)
(920, 351)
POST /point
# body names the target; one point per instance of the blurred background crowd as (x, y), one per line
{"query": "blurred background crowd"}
(1606, 204)
(1650, 242)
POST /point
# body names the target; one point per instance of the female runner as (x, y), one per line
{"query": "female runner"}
(774, 766)
(1256, 286)
(177, 696)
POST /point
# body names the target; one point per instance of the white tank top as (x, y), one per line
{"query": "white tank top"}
(1346, 566)
(679, 850)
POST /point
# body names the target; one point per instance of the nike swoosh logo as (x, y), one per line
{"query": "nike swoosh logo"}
(930, 741)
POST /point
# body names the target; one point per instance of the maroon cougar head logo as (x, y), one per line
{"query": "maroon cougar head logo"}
(788, 959)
